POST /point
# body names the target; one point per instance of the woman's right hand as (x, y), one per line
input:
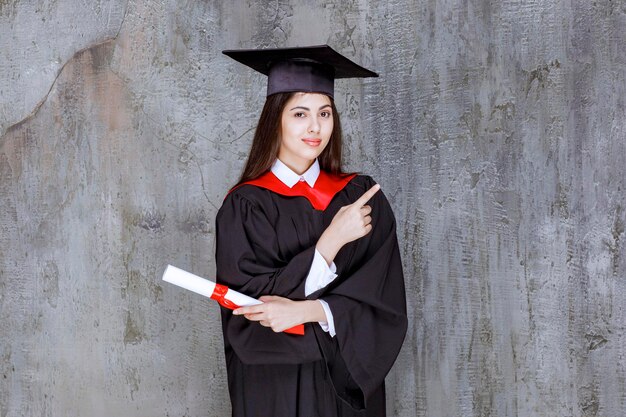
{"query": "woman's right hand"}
(350, 223)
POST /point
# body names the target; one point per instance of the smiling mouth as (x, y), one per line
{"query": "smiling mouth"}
(312, 142)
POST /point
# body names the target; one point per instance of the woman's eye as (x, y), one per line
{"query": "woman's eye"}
(299, 114)
(325, 114)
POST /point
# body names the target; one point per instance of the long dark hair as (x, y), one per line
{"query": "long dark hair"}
(266, 141)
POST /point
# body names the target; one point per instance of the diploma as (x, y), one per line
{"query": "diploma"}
(226, 297)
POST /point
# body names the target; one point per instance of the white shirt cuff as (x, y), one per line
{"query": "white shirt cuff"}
(329, 325)
(320, 274)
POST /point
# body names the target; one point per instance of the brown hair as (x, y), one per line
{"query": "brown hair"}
(266, 141)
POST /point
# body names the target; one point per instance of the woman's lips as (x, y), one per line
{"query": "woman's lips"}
(312, 142)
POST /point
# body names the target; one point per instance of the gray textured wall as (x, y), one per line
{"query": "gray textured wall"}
(497, 129)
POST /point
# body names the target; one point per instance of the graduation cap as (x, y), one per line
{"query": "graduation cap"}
(311, 69)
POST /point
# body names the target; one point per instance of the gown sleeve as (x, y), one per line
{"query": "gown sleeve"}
(369, 297)
(248, 256)
(248, 260)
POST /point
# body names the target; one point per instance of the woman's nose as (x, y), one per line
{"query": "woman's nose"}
(314, 126)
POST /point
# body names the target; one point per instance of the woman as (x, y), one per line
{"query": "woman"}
(317, 246)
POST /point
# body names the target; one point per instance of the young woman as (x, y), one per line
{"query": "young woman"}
(317, 246)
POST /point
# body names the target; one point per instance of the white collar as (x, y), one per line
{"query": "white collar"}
(290, 178)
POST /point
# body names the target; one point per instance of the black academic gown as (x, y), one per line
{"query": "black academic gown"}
(265, 246)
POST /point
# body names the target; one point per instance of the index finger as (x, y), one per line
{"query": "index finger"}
(367, 195)
(257, 308)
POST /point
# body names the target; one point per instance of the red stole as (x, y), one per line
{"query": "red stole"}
(326, 186)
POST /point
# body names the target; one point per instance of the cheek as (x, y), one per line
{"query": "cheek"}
(328, 128)
(284, 136)
(292, 128)
(290, 136)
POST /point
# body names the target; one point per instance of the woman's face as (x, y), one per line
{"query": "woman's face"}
(306, 127)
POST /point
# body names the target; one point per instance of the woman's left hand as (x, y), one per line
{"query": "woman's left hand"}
(281, 313)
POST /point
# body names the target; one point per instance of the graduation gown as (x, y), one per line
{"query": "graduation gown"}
(265, 246)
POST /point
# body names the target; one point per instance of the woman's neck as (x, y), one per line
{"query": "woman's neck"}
(299, 167)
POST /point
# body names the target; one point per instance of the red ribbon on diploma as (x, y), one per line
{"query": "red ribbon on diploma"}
(219, 295)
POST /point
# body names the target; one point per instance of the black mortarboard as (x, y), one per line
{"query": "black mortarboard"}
(310, 69)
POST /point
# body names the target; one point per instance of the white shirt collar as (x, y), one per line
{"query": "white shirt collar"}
(290, 178)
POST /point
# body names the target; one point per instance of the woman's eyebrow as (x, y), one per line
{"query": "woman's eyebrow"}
(307, 109)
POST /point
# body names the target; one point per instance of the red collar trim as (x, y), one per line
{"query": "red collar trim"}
(326, 187)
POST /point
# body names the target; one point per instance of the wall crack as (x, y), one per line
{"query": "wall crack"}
(41, 102)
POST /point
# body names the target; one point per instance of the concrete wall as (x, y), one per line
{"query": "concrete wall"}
(497, 129)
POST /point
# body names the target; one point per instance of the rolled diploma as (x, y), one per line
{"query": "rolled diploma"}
(203, 286)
